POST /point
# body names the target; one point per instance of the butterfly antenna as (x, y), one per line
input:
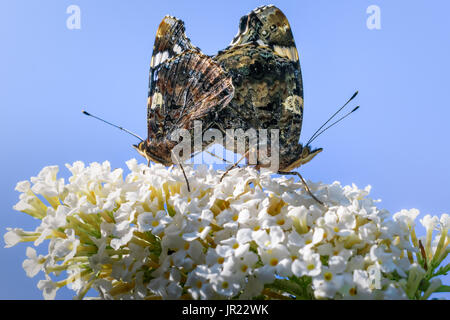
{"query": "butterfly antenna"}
(339, 110)
(342, 118)
(127, 131)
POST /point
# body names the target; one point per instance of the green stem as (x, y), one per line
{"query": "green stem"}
(290, 287)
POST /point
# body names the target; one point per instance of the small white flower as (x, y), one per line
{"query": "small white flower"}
(226, 285)
(48, 185)
(337, 264)
(29, 202)
(48, 288)
(189, 255)
(298, 241)
(166, 287)
(429, 222)
(241, 265)
(385, 260)
(198, 285)
(276, 259)
(327, 284)
(299, 216)
(269, 239)
(64, 248)
(54, 219)
(123, 232)
(198, 225)
(445, 223)
(405, 218)
(232, 247)
(34, 263)
(253, 288)
(16, 235)
(318, 236)
(147, 221)
(340, 222)
(308, 265)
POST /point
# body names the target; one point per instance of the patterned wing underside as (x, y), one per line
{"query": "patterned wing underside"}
(185, 85)
(170, 41)
(268, 27)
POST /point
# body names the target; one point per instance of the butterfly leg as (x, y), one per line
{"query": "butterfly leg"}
(185, 177)
(227, 135)
(234, 165)
(215, 155)
(293, 173)
(208, 145)
(184, 173)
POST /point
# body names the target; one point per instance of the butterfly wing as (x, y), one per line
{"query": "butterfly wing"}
(190, 86)
(185, 84)
(268, 26)
(170, 41)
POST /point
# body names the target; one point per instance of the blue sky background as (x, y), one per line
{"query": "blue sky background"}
(398, 141)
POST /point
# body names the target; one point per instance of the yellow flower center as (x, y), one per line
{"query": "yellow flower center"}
(275, 205)
(328, 276)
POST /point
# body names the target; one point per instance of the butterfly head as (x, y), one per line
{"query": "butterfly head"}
(301, 156)
(150, 152)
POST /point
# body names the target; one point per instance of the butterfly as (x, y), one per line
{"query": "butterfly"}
(263, 62)
(185, 85)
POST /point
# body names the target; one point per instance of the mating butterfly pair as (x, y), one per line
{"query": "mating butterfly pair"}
(254, 83)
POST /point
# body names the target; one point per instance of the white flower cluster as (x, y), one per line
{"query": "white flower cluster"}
(249, 236)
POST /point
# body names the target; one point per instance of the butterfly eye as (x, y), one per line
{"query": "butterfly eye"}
(273, 27)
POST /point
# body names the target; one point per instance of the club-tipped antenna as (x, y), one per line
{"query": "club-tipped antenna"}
(342, 118)
(339, 110)
(127, 131)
